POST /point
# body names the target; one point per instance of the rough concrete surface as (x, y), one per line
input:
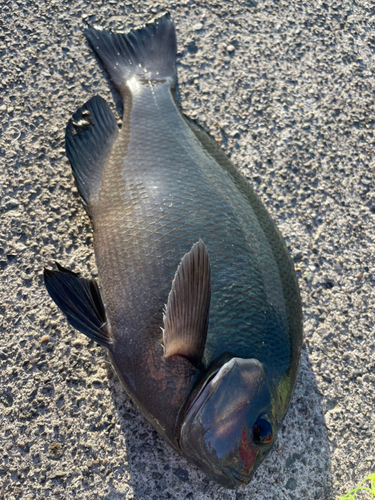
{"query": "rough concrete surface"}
(288, 89)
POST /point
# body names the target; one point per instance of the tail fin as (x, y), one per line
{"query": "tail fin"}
(145, 52)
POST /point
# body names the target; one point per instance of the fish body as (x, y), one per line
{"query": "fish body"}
(198, 305)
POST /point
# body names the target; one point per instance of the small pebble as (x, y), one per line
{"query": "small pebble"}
(44, 339)
(78, 342)
(230, 48)
(307, 276)
(55, 450)
(6, 399)
(291, 484)
(182, 474)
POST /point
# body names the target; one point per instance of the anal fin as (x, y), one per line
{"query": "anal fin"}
(80, 300)
(187, 310)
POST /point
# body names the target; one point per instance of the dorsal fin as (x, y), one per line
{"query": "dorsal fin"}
(89, 139)
(80, 300)
(187, 311)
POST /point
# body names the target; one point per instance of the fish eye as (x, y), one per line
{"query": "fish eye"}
(262, 431)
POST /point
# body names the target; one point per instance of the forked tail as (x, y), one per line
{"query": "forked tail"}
(147, 52)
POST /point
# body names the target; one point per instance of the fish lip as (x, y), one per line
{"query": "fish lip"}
(238, 478)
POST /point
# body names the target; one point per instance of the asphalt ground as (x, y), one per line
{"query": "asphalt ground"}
(288, 90)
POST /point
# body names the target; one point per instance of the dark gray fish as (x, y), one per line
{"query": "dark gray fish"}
(198, 304)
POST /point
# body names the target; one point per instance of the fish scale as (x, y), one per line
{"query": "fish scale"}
(198, 304)
(143, 234)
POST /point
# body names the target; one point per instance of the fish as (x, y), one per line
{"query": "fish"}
(198, 302)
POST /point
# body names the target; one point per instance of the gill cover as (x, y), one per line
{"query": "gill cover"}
(227, 430)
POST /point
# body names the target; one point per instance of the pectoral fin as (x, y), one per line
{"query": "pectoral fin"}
(187, 311)
(80, 300)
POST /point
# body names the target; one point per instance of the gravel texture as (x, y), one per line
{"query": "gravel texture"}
(288, 90)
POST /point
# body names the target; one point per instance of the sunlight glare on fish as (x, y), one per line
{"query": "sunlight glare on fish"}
(133, 84)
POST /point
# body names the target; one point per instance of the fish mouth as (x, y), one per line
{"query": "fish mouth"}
(238, 478)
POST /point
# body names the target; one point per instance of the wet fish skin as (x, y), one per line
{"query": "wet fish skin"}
(152, 190)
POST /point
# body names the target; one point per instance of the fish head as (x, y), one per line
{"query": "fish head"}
(228, 427)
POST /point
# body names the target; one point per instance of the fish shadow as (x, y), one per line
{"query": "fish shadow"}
(298, 466)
